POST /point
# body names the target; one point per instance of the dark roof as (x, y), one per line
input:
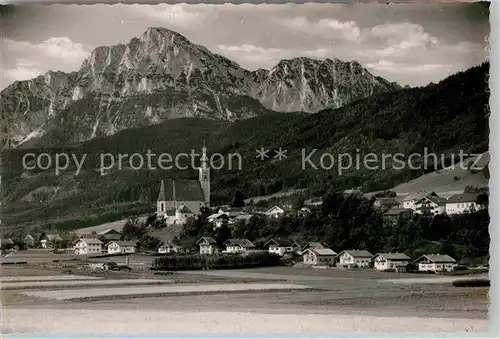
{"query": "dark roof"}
(122, 243)
(239, 242)
(315, 245)
(280, 242)
(397, 211)
(359, 253)
(393, 256)
(463, 197)
(437, 200)
(436, 258)
(418, 195)
(207, 240)
(108, 231)
(180, 190)
(321, 251)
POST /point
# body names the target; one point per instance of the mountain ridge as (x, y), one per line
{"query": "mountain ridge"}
(161, 75)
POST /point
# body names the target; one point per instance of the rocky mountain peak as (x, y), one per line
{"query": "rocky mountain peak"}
(161, 75)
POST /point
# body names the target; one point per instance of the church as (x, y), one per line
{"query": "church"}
(181, 199)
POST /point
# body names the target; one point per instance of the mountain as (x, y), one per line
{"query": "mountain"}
(161, 75)
(445, 118)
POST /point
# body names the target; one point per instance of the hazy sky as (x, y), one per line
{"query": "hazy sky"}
(411, 44)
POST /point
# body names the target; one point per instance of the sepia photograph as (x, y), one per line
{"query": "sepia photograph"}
(238, 169)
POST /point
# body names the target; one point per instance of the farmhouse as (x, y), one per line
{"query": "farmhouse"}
(462, 203)
(410, 200)
(388, 261)
(238, 246)
(281, 246)
(430, 204)
(6, 243)
(436, 263)
(87, 246)
(115, 247)
(319, 257)
(167, 247)
(275, 212)
(208, 245)
(354, 258)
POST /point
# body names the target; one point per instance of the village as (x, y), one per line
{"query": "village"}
(110, 242)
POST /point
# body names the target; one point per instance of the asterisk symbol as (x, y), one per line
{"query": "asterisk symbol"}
(280, 154)
(262, 153)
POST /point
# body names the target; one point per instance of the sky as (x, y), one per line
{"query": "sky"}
(412, 44)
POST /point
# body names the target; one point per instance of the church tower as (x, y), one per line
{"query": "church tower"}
(204, 178)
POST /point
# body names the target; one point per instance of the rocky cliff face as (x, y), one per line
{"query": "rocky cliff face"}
(160, 76)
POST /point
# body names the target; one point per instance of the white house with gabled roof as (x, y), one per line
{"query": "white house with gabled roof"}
(117, 247)
(354, 258)
(388, 261)
(436, 263)
(319, 257)
(87, 246)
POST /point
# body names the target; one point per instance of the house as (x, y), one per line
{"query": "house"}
(29, 241)
(385, 204)
(109, 234)
(410, 199)
(46, 239)
(281, 246)
(208, 245)
(116, 246)
(436, 263)
(430, 204)
(179, 199)
(462, 203)
(275, 212)
(319, 257)
(394, 214)
(166, 247)
(354, 258)
(389, 261)
(87, 246)
(238, 246)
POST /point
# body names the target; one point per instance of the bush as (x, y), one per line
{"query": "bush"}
(472, 283)
(217, 261)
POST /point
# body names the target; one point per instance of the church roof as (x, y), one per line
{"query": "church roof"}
(180, 190)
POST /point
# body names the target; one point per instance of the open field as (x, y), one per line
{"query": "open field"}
(116, 225)
(250, 301)
(104, 293)
(35, 279)
(79, 283)
(157, 322)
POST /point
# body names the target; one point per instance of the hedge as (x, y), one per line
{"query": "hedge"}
(216, 261)
(472, 283)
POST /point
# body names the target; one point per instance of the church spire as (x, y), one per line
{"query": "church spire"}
(204, 158)
(161, 195)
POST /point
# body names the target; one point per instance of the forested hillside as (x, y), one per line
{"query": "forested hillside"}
(444, 117)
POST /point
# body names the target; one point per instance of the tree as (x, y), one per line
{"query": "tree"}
(298, 202)
(223, 233)
(238, 199)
